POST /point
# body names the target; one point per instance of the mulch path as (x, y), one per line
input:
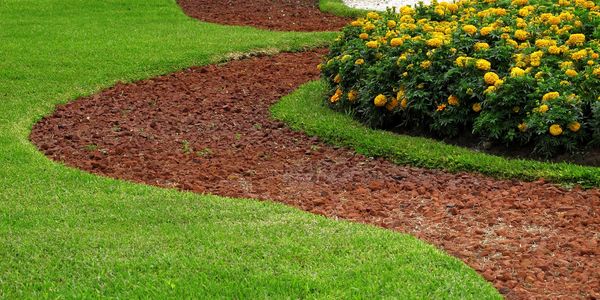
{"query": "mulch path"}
(282, 15)
(208, 129)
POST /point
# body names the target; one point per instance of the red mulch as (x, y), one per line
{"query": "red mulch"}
(208, 129)
(285, 15)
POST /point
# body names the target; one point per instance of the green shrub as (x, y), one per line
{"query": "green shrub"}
(523, 72)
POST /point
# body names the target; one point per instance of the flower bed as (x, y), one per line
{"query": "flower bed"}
(510, 72)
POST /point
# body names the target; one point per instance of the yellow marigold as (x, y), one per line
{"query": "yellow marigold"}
(352, 95)
(404, 103)
(452, 7)
(543, 108)
(490, 89)
(575, 126)
(539, 75)
(554, 50)
(461, 61)
(470, 29)
(395, 42)
(435, 42)
(336, 96)
(483, 64)
(481, 46)
(556, 130)
(359, 61)
(491, 78)
(369, 26)
(523, 12)
(517, 72)
(391, 23)
(521, 35)
(550, 96)
(426, 64)
(596, 71)
(522, 127)
(373, 44)
(590, 62)
(453, 100)
(363, 36)
(581, 54)
(407, 10)
(441, 107)
(337, 78)
(520, 2)
(380, 100)
(476, 107)
(392, 104)
(576, 39)
(486, 30)
(373, 15)
(498, 83)
(542, 43)
(571, 73)
(554, 20)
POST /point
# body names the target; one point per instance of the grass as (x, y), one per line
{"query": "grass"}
(65, 233)
(337, 7)
(305, 110)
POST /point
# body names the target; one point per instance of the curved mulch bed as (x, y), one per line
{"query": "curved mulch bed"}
(208, 130)
(285, 15)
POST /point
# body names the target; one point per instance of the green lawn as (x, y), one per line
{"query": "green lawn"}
(68, 234)
(305, 110)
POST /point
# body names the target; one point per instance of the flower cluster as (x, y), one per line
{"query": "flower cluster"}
(525, 71)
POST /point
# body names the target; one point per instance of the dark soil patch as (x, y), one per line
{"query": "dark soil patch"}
(284, 15)
(208, 130)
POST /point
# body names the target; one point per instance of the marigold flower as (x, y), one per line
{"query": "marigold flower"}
(359, 62)
(486, 30)
(517, 72)
(435, 42)
(372, 44)
(543, 108)
(404, 103)
(395, 42)
(476, 107)
(481, 46)
(522, 127)
(352, 95)
(576, 39)
(380, 100)
(426, 64)
(521, 35)
(441, 107)
(574, 126)
(391, 104)
(391, 23)
(490, 78)
(470, 29)
(483, 64)
(556, 130)
(453, 100)
(363, 36)
(571, 73)
(550, 96)
(554, 50)
(372, 15)
(336, 96)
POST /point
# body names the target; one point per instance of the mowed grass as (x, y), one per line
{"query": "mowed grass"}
(305, 110)
(65, 233)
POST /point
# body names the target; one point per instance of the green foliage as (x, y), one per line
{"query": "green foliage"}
(510, 72)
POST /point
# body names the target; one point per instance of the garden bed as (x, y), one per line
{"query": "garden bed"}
(208, 130)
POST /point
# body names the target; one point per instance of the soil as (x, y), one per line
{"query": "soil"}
(208, 129)
(282, 15)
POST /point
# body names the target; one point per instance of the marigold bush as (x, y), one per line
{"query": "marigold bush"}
(519, 71)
